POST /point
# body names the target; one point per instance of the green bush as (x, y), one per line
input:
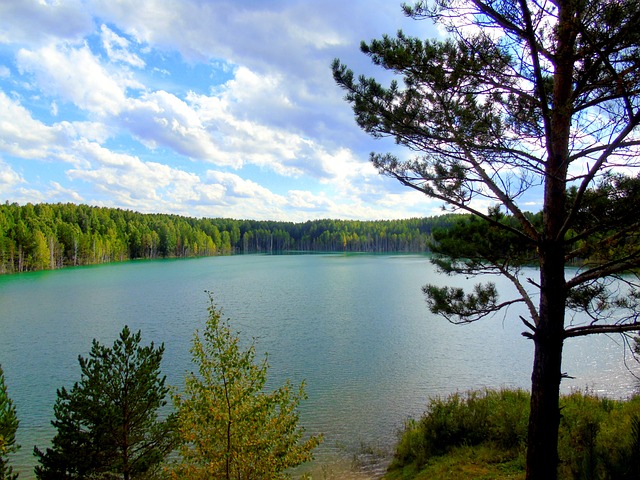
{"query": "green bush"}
(599, 438)
(477, 417)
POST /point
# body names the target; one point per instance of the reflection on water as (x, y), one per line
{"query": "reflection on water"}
(354, 327)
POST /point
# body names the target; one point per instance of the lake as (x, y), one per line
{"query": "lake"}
(354, 327)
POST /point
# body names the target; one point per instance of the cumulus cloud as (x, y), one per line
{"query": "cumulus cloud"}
(236, 186)
(161, 118)
(57, 192)
(240, 116)
(9, 178)
(305, 200)
(142, 185)
(75, 75)
(23, 136)
(126, 175)
(152, 187)
(34, 22)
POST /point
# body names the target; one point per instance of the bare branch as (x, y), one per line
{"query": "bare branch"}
(613, 267)
(526, 298)
(472, 317)
(593, 329)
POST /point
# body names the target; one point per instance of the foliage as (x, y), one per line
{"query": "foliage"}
(522, 100)
(229, 425)
(107, 424)
(48, 236)
(599, 437)
(8, 427)
(495, 417)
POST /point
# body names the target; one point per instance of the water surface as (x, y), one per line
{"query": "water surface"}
(355, 328)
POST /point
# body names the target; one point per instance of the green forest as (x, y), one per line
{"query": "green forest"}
(50, 236)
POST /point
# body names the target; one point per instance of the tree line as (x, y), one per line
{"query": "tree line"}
(49, 236)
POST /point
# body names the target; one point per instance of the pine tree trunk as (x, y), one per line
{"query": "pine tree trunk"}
(544, 418)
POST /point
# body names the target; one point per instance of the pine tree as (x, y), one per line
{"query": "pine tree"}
(522, 100)
(107, 424)
(8, 427)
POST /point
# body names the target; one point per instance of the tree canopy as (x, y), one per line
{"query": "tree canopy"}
(521, 100)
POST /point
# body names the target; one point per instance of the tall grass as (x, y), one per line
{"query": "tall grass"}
(599, 437)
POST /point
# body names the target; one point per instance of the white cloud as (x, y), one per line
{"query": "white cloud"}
(237, 187)
(130, 130)
(240, 116)
(90, 131)
(161, 118)
(144, 186)
(305, 200)
(76, 75)
(117, 48)
(9, 178)
(34, 22)
(153, 187)
(23, 136)
(59, 193)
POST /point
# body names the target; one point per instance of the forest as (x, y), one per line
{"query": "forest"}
(50, 236)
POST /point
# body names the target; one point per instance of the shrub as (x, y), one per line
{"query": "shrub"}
(582, 415)
(618, 442)
(599, 438)
(477, 417)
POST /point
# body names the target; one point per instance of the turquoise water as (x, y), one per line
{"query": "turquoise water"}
(354, 327)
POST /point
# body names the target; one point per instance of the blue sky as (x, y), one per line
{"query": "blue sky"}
(206, 108)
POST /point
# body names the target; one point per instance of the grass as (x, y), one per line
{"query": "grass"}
(469, 463)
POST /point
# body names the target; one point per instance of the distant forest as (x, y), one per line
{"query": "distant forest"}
(49, 236)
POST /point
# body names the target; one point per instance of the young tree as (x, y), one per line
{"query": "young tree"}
(523, 97)
(8, 427)
(229, 425)
(107, 424)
